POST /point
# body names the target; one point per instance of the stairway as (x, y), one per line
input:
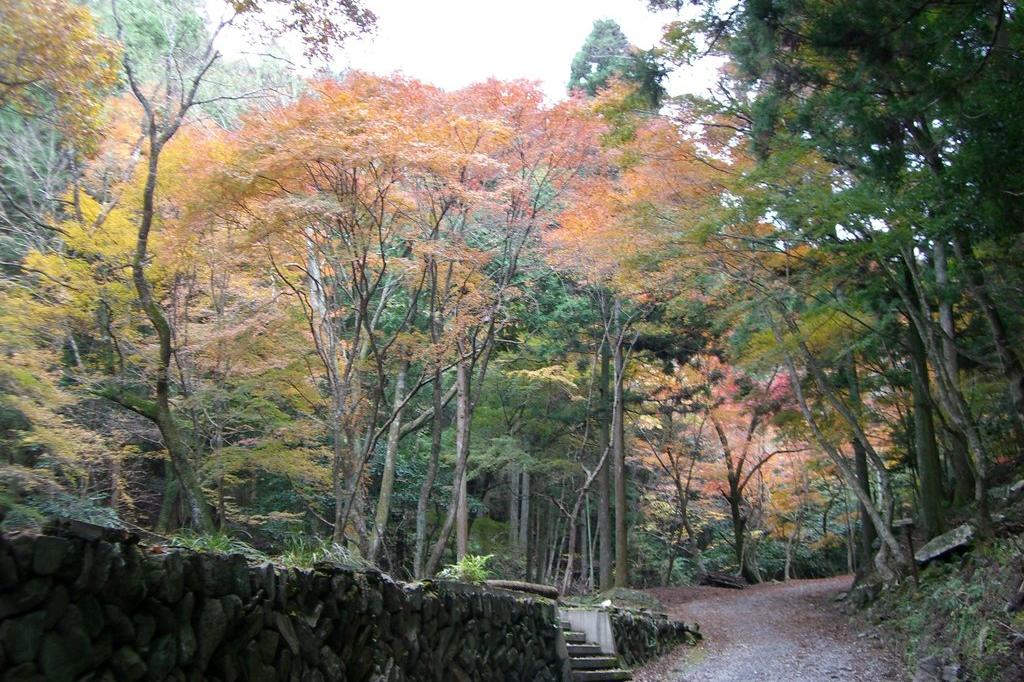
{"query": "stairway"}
(587, 661)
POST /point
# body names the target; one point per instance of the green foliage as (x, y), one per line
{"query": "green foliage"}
(305, 552)
(959, 612)
(471, 568)
(218, 543)
(606, 54)
(29, 497)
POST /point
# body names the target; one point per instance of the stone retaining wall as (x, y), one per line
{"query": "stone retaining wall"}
(641, 636)
(74, 608)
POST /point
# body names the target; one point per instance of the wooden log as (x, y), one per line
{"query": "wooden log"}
(731, 582)
(531, 588)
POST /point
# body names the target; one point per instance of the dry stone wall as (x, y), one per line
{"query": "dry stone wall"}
(641, 636)
(78, 608)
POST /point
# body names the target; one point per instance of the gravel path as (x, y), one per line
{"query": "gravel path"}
(782, 632)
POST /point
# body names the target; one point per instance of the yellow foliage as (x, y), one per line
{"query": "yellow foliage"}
(53, 60)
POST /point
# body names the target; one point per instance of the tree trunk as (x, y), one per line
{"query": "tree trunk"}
(882, 527)
(619, 455)
(513, 509)
(604, 520)
(959, 456)
(586, 553)
(462, 521)
(115, 483)
(860, 463)
(787, 574)
(673, 551)
(158, 134)
(533, 545)
(581, 498)
(427, 486)
(951, 396)
(387, 480)
(867, 529)
(929, 469)
(524, 511)
(164, 522)
(1013, 369)
(554, 545)
(338, 472)
(458, 478)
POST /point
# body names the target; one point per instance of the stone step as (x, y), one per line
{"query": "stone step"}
(579, 650)
(566, 625)
(600, 675)
(594, 663)
(573, 637)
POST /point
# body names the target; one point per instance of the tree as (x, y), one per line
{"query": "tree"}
(163, 116)
(54, 63)
(606, 55)
(883, 102)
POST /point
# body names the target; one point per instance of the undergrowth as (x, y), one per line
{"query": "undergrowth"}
(297, 552)
(469, 569)
(960, 613)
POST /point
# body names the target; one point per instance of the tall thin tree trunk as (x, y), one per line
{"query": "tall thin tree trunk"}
(585, 571)
(1013, 369)
(513, 508)
(427, 486)
(929, 468)
(959, 455)
(867, 529)
(604, 520)
(590, 549)
(574, 514)
(462, 521)
(533, 545)
(387, 480)
(554, 547)
(860, 463)
(115, 482)
(849, 530)
(524, 516)
(178, 450)
(619, 456)
(462, 398)
(953, 401)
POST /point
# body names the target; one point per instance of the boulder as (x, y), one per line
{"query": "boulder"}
(1016, 490)
(941, 545)
(934, 669)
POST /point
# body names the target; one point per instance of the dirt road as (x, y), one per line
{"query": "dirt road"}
(786, 632)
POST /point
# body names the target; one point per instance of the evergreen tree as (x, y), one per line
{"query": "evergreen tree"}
(606, 54)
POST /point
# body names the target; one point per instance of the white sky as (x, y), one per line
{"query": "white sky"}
(452, 43)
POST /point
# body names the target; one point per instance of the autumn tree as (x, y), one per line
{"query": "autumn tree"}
(166, 105)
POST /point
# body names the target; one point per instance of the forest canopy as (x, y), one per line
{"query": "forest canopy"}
(619, 339)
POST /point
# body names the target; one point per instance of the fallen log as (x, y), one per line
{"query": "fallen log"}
(531, 588)
(731, 582)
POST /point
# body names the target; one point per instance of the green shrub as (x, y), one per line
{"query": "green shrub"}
(471, 568)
